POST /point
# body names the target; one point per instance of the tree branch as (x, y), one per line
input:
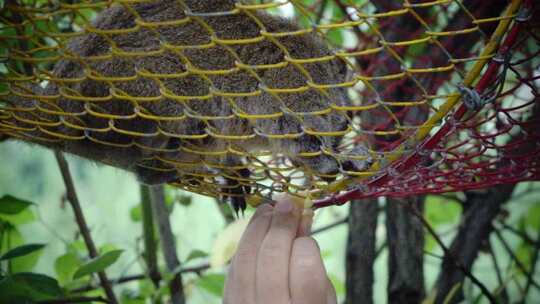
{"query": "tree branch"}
(454, 264)
(533, 265)
(498, 272)
(74, 300)
(516, 260)
(196, 269)
(168, 246)
(330, 226)
(81, 222)
(521, 234)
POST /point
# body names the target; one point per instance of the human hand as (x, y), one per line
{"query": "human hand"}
(277, 261)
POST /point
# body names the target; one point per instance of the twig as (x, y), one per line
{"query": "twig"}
(447, 253)
(167, 242)
(150, 247)
(498, 271)
(330, 226)
(533, 264)
(75, 300)
(521, 234)
(515, 259)
(433, 255)
(320, 13)
(196, 269)
(81, 222)
(380, 249)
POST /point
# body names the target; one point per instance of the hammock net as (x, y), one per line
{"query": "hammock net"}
(441, 95)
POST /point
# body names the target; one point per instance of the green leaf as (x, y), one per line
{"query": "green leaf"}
(185, 200)
(131, 297)
(532, 218)
(3, 87)
(23, 217)
(26, 286)
(417, 49)
(21, 251)
(213, 283)
(13, 238)
(107, 247)
(430, 243)
(98, 264)
(77, 246)
(147, 289)
(524, 254)
(196, 254)
(441, 211)
(12, 205)
(135, 214)
(337, 13)
(336, 36)
(66, 265)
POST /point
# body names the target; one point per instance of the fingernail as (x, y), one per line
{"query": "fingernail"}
(284, 207)
(298, 203)
(264, 208)
(308, 213)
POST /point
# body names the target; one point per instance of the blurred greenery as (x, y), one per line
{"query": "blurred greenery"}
(33, 212)
(110, 200)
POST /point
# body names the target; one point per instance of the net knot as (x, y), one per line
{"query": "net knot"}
(524, 14)
(472, 99)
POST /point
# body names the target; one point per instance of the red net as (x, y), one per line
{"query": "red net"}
(492, 137)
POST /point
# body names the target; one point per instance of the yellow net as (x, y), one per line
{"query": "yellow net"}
(249, 98)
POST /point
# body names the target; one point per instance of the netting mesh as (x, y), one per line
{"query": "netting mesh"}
(341, 99)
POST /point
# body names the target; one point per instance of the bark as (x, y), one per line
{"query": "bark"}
(405, 236)
(404, 230)
(168, 244)
(73, 199)
(360, 254)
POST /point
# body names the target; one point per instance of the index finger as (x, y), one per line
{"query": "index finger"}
(240, 283)
(272, 274)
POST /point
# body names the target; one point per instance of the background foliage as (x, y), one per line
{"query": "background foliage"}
(40, 220)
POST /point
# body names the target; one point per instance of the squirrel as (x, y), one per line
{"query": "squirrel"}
(198, 100)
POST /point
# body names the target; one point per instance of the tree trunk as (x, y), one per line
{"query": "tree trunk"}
(360, 254)
(405, 235)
